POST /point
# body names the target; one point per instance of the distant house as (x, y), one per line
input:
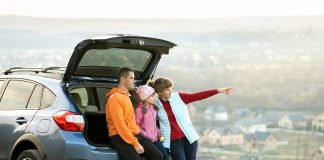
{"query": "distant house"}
(219, 113)
(292, 121)
(223, 136)
(210, 136)
(260, 141)
(318, 122)
(319, 153)
(239, 113)
(258, 116)
(248, 126)
(266, 140)
(272, 118)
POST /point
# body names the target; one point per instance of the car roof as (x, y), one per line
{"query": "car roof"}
(50, 83)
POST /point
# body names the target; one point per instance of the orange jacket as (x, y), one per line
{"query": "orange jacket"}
(120, 116)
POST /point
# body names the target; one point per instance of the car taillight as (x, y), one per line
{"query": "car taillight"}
(69, 121)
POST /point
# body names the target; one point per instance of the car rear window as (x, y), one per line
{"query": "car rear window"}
(116, 57)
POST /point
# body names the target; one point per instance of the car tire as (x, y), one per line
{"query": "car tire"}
(31, 154)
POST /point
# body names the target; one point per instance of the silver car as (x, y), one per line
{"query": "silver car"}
(58, 113)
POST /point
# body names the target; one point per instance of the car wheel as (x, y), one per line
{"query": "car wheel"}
(30, 154)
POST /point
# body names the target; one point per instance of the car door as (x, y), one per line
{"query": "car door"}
(14, 115)
(100, 58)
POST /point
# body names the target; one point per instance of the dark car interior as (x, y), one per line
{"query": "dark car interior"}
(91, 102)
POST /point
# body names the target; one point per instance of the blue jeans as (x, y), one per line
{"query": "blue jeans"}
(181, 149)
(160, 146)
(127, 151)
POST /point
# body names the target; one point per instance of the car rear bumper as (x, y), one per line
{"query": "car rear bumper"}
(72, 145)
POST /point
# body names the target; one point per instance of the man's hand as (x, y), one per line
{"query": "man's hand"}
(226, 90)
(139, 149)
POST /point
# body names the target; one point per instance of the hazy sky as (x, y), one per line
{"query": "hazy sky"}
(159, 8)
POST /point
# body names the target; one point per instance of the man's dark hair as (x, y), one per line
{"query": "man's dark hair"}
(123, 72)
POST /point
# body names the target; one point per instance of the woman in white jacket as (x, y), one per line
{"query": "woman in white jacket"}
(175, 124)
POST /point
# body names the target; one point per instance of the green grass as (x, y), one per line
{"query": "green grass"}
(299, 145)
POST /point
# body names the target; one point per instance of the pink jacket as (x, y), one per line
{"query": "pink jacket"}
(147, 122)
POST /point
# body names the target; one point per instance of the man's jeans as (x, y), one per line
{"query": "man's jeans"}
(128, 152)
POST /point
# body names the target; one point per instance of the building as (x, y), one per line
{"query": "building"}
(260, 141)
(219, 113)
(249, 126)
(239, 113)
(318, 122)
(272, 118)
(292, 121)
(223, 136)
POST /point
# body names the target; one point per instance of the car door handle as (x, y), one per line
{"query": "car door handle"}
(21, 120)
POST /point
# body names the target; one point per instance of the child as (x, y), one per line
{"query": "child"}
(146, 113)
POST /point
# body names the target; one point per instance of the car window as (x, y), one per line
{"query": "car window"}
(16, 95)
(48, 98)
(83, 95)
(102, 97)
(35, 99)
(116, 57)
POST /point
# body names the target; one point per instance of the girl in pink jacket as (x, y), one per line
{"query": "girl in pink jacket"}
(146, 113)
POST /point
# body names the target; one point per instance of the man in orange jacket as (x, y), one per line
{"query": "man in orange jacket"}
(120, 116)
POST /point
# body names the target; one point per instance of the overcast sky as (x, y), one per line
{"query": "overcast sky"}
(159, 8)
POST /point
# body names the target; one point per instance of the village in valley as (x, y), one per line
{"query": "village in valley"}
(246, 134)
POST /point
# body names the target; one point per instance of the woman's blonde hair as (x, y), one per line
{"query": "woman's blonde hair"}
(160, 84)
